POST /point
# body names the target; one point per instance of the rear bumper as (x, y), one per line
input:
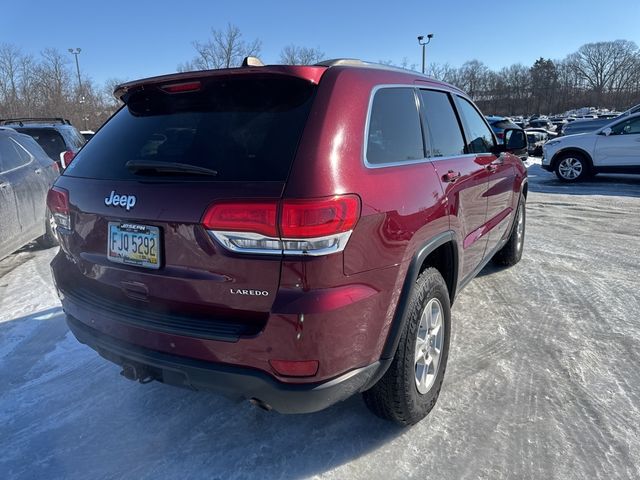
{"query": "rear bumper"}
(231, 381)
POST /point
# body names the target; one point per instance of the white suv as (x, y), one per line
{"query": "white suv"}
(614, 148)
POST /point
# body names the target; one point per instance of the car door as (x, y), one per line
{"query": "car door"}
(463, 176)
(9, 224)
(45, 173)
(621, 147)
(19, 171)
(501, 173)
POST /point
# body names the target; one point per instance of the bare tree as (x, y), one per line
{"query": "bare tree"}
(601, 65)
(294, 55)
(224, 49)
(9, 75)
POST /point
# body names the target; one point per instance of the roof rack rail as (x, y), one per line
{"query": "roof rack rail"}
(354, 62)
(336, 62)
(22, 121)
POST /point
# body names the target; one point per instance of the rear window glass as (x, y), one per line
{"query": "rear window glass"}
(12, 155)
(48, 138)
(246, 129)
(75, 141)
(503, 124)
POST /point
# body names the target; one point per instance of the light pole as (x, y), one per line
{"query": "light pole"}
(420, 42)
(75, 52)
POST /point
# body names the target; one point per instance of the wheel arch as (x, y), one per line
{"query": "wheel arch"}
(561, 153)
(441, 253)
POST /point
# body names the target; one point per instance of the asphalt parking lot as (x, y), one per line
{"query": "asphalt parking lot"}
(543, 378)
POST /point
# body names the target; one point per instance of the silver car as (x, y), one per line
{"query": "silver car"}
(26, 174)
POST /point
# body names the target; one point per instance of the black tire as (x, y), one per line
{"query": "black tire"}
(395, 396)
(49, 239)
(568, 165)
(511, 253)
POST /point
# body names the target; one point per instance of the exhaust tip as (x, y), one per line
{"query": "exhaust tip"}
(140, 374)
(259, 403)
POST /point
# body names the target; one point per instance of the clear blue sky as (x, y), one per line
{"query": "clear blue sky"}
(141, 38)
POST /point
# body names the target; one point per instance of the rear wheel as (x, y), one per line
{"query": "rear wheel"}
(511, 253)
(572, 167)
(50, 238)
(409, 389)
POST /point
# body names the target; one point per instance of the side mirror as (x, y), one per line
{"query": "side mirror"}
(515, 139)
(606, 131)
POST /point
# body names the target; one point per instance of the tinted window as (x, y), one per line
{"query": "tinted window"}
(11, 155)
(444, 130)
(75, 141)
(479, 136)
(503, 124)
(628, 127)
(246, 129)
(48, 138)
(394, 127)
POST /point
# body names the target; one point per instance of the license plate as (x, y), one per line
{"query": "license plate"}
(132, 244)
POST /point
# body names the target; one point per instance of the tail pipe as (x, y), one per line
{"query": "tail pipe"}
(136, 373)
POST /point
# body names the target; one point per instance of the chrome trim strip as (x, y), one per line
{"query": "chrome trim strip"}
(401, 163)
(225, 239)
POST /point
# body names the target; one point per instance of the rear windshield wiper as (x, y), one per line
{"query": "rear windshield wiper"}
(153, 166)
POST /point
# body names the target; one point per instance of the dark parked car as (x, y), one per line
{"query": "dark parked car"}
(542, 123)
(499, 125)
(591, 125)
(57, 137)
(288, 234)
(536, 140)
(26, 174)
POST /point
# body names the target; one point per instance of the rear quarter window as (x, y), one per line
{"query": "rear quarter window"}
(394, 134)
(246, 129)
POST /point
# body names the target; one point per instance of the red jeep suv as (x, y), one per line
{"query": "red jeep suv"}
(290, 235)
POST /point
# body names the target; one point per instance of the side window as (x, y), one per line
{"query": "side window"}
(12, 155)
(394, 127)
(73, 138)
(479, 136)
(440, 119)
(626, 127)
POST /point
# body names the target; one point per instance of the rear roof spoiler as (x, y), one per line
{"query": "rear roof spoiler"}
(22, 121)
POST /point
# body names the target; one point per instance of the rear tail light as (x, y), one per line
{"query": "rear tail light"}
(257, 217)
(291, 227)
(288, 368)
(66, 158)
(58, 204)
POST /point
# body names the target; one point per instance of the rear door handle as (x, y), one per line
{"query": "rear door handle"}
(4, 185)
(38, 171)
(451, 176)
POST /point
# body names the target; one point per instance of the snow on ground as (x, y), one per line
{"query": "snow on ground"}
(543, 378)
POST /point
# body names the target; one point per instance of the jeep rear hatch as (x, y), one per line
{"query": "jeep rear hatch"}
(149, 176)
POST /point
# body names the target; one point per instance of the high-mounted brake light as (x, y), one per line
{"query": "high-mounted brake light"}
(58, 205)
(318, 226)
(181, 87)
